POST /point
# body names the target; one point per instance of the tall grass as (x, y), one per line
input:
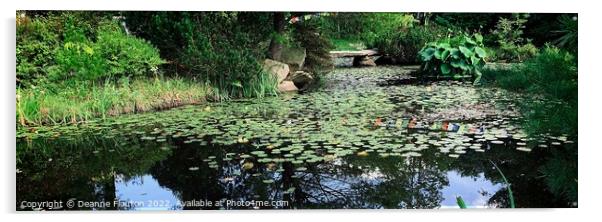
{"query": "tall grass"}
(58, 104)
(510, 195)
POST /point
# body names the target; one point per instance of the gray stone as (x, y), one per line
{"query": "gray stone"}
(278, 69)
(301, 79)
(294, 57)
(363, 61)
(287, 86)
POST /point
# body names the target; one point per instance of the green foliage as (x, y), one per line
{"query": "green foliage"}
(218, 48)
(36, 43)
(363, 26)
(552, 74)
(317, 60)
(568, 31)
(58, 104)
(351, 45)
(561, 173)
(511, 30)
(508, 185)
(461, 202)
(404, 45)
(512, 46)
(456, 57)
(114, 54)
(467, 22)
(66, 47)
(370, 28)
(385, 25)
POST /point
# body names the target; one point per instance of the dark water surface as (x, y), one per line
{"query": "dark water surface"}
(362, 141)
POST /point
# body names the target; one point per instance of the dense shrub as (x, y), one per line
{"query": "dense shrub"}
(553, 75)
(113, 54)
(568, 33)
(468, 22)
(511, 45)
(222, 49)
(403, 46)
(514, 53)
(65, 46)
(552, 72)
(36, 43)
(317, 60)
(456, 57)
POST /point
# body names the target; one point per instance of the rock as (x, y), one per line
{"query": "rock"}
(278, 69)
(287, 86)
(363, 61)
(386, 60)
(301, 79)
(294, 57)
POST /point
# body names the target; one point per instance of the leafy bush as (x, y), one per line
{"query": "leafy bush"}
(455, 57)
(363, 26)
(404, 45)
(468, 22)
(114, 54)
(36, 43)
(317, 60)
(64, 46)
(568, 31)
(385, 25)
(127, 55)
(512, 47)
(552, 74)
(218, 48)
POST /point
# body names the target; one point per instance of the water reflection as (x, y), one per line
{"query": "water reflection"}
(143, 174)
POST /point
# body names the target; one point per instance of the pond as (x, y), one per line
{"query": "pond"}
(368, 138)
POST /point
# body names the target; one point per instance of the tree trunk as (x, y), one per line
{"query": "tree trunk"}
(275, 50)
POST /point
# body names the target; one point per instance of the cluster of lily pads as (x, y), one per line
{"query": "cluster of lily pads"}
(351, 116)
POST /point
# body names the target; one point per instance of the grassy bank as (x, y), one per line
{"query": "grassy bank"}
(80, 102)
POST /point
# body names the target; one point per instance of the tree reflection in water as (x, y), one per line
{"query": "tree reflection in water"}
(72, 169)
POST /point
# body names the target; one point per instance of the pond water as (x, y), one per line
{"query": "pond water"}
(368, 138)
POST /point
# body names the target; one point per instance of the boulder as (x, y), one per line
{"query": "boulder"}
(278, 69)
(287, 86)
(386, 60)
(294, 57)
(363, 61)
(301, 79)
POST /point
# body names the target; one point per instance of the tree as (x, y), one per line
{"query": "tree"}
(275, 50)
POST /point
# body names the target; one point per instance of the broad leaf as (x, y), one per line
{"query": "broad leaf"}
(478, 37)
(445, 68)
(455, 53)
(427, 54)
(457, 63)
(481, 52)
(469, 40)
(465, 51)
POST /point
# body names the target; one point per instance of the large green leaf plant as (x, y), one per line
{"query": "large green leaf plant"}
(458, 57)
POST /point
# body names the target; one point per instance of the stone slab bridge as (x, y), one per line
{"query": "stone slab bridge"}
(360, 57)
